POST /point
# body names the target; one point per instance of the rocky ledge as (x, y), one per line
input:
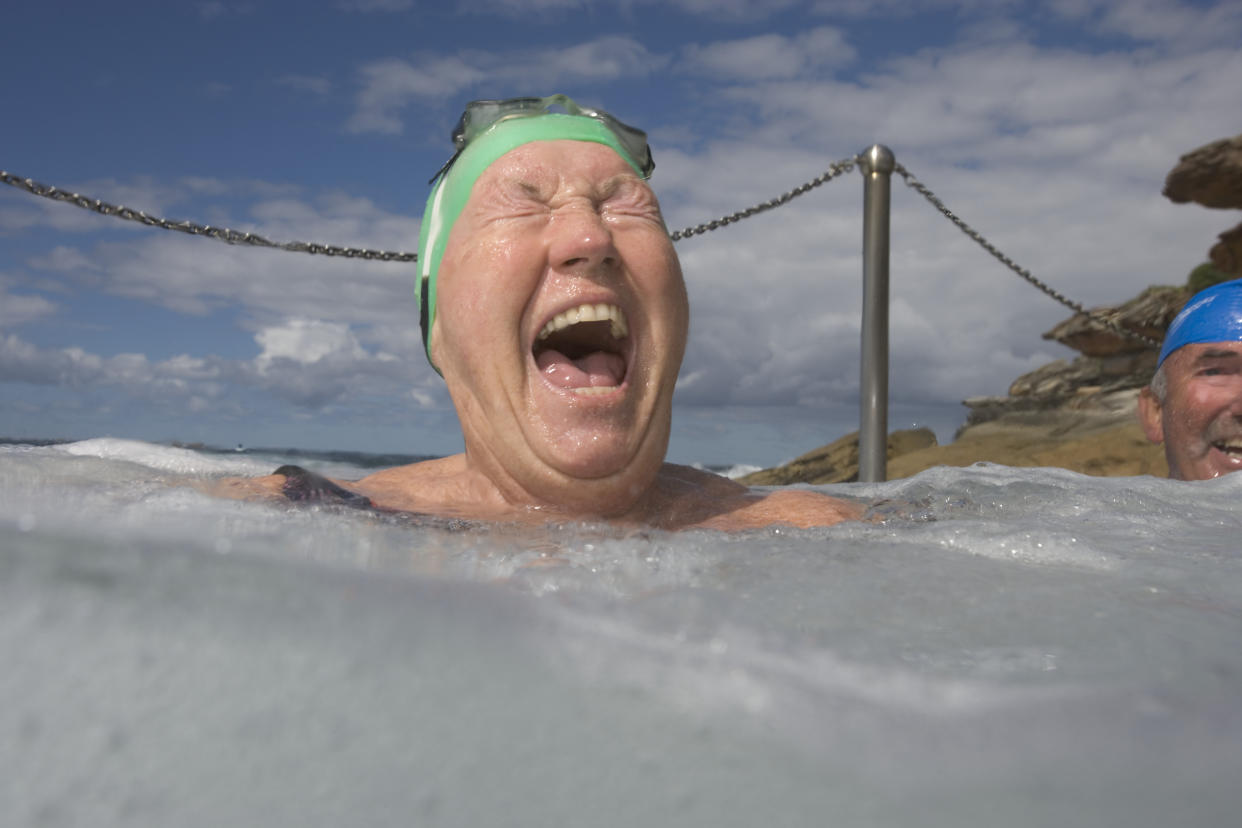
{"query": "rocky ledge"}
(1078, 414)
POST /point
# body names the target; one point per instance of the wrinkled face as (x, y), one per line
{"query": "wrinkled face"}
(1200, 420)
(560, 326)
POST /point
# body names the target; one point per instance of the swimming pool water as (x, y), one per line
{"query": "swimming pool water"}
(1013, 647)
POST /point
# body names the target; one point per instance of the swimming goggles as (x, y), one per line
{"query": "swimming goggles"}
(479, 116)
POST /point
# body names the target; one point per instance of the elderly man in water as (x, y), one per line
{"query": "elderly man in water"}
(1194, 402)
(553, 305)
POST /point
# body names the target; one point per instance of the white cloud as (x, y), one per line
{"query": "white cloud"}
(214, 9)
(734, 10)
(367, 6)
(206, 186)
(605, 59)
(521, 8)
(64, 259)
(423, 399)
(306, 341)
(354, 333)
(389, 86)
(310, 364)
(196, 276)
(17, 308)
(185, 367)
(770, 56)
(1057, 157)
(306, 83)
(211, 10)
(22, 361)
(1160, 21)
(1012, 104)
(315, 364)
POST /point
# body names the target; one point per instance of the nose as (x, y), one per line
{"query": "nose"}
(581, 240)
(1235, 402)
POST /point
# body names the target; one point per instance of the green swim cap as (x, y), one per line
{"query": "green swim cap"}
(453, 187)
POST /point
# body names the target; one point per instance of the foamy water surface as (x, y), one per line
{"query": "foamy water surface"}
(1013, 647)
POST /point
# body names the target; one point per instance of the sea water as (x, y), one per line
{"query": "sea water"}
(1001, 647)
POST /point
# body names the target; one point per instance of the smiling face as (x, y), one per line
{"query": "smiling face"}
(1200, 419)
(560, 327)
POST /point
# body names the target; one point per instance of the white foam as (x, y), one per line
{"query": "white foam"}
(1014, 646)
(162, 458)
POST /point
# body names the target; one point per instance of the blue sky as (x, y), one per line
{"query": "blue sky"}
(1048, 126)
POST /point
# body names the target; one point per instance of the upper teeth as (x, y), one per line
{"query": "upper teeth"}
(589, 313)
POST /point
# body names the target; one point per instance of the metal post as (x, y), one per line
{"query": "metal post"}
(877, 167)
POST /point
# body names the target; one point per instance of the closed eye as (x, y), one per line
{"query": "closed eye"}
(627, 196)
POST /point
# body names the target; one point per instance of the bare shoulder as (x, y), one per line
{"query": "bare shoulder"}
(286, 483)
(431, 486)
(802, 508)
(412, 474)
(440, 486)
(270, 487)
(709, 501)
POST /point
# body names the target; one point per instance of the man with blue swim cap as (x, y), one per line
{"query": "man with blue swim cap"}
(1194, 402)
(552, 303)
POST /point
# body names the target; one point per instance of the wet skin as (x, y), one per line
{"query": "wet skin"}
(564, 418)
(568, 224)
(1200, 421)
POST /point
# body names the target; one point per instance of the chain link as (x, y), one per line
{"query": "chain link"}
(922, 190)
(834, 170)
(223, 234)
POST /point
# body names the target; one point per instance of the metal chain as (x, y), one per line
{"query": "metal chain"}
(223, 234)
(834, 170)
(920, 188)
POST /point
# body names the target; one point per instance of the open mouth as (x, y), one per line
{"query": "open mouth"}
(583, 349)
(1231, 446)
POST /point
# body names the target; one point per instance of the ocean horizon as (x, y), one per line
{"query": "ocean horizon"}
(315, 458)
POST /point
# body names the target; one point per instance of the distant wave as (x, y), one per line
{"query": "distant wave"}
(362, 459)
(359, 459)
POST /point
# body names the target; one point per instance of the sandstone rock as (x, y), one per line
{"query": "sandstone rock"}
(1226, 254)
(1078, 414)
(837, 462)
(1103, 447)
(1104, 384)
(1210, 175)
(1103, 444)
(1149, 314)
(1110, 364)
(1062, 380)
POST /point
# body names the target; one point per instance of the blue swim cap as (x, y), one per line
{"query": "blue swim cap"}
(1212, 315)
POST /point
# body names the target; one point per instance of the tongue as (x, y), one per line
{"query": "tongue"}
(598, 368)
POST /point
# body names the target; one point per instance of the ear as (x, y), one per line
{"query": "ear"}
(1151, 415)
